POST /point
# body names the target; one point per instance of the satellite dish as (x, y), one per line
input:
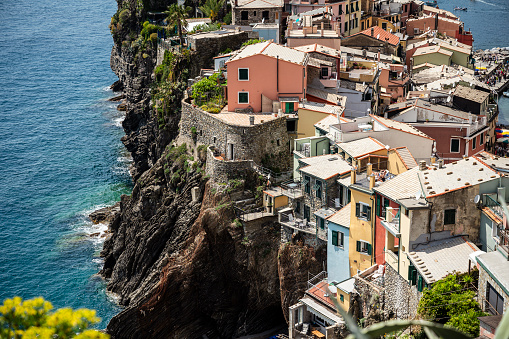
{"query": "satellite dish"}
(477, 199)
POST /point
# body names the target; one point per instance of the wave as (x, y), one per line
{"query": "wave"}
(488, 3)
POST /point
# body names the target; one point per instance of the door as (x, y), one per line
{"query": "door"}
(230, 152)
(289, 107)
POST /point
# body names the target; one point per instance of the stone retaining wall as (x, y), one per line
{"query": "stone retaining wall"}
(253, 142)
(222, 171)
(401, 299)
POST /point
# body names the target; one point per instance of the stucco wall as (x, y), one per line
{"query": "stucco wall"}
(338, 266)
(264, 79)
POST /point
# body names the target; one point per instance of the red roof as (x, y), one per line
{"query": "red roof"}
(380, 34)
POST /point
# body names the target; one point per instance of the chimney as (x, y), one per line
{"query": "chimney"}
(433, 159)
(372, 31)
(441, 163)
(353, 176)
(422, 165)
(371, 181)
(369, 169)
(251, 119)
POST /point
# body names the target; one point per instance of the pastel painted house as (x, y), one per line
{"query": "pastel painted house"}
(338, 244)
(265, 77)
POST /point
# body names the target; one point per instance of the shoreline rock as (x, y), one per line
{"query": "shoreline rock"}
(105, 215)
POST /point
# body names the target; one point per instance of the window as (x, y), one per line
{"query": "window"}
(307, 212)
(243, 74)
(254, 13)
(243, 97)
(278, 142)
(481, 139)
(265, 15)
(297, 207)
(340, 9)
(455, 145)
(307, 184)
(321, 222)
(364, 247)
(384, 25)
(351, 8)
(318, 189)
(357, 6)
(346, 8)
(346, 24)
(356, 22)
(407, 212)
(449, 217)
(342, 298)
(494, 301)
(363, 211)
(325, 72)
(412, 274)
(338, 238)
(474, 142)
(362, 25)
(243, 15)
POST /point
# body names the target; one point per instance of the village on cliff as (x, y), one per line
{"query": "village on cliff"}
(374, 124)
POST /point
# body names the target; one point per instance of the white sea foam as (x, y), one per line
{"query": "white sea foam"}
(488, 3)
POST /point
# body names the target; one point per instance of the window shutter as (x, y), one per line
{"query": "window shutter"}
(357, 210)
(419, 284)
(342, 240)
(358, 246)
(378, 203)
(410, 270)
(335, 238)
(370, 248)
(369, 213)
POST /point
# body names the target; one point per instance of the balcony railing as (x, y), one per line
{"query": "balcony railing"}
(291, 189)
(493, 205)
(309, 227)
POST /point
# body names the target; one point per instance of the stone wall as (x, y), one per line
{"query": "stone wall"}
(484, 279)
(208, 45)
(268, 140)
(329, 192)
(401, 299)
(321, 56)
(255, 15)
(222, 171)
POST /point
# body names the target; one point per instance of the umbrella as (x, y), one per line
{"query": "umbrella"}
(503, 140)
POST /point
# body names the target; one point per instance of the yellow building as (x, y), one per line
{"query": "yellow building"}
(366, 22)
(273, 199)
(312, 112)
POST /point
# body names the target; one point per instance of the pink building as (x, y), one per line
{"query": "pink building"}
(394, 80)
(266, 76)
(450, 27)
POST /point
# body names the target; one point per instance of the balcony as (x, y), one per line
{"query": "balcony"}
(392, 259)
(287, 219)
(292, 190)
(390, 221)
(491, 202)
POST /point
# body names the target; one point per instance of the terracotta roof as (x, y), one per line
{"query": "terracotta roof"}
(259, 3)
(271, 49)
(437, 259)
(471, 94)
(325, 95)
(331, 119)
(380, 34)
(430, 50)
(325, 166)
(454, 176)
(406, 157)
(360, 147)
(403, 186)
(400, 126)
(342, 217)
(320, 107)
(319, 49)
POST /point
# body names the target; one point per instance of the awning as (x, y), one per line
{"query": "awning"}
(321, 311)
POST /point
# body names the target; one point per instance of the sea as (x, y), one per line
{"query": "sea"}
(60, 151)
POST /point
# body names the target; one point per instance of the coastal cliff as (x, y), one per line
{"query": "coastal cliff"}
(177, 257)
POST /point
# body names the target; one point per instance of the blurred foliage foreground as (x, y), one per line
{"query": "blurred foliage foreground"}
(34, 318)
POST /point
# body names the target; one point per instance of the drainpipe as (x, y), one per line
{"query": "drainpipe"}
(277, 74)
(399, 237)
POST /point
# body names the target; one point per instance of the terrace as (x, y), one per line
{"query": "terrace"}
(286, 218)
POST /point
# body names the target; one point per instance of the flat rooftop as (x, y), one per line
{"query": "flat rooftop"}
(242, 119)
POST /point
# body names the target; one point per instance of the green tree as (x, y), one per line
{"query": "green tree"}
(33, 319)
(451, 301)
(211, 8)
(176, 16)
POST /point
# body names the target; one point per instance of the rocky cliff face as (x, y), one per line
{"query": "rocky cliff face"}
(182, 267)
(178, 262)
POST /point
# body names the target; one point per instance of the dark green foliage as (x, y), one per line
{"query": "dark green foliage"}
(451, 301)
(226, 51)
(228, 18)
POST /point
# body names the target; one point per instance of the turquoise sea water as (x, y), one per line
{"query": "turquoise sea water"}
(60, 150)
(60, 154)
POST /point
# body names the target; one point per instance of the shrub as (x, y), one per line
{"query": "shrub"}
(252, 42)
(124, 15)
(153, 37)
(228, 18)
